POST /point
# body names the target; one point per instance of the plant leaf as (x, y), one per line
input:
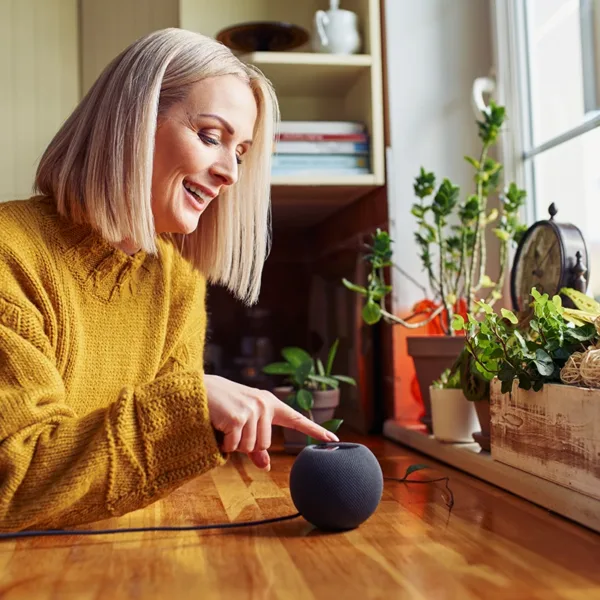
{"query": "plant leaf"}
(371, 313)
(571, 314)
(302, 372)
(320, 367)
(486, 282)
(305, 399)
(279, 368)
(331, 356)
(332, 424)
(354, 288)
(582, 301)
(458, 323)
(345, 379)
(543, 362)
(330, 381)
(414, 468)
(506, 374)
(295, 356)
(508, 314)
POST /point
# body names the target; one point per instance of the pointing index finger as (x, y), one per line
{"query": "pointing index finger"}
(292, 419)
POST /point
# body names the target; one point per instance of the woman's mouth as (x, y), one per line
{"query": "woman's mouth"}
(197, 197)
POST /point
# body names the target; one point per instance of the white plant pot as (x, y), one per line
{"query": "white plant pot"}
(454, 418)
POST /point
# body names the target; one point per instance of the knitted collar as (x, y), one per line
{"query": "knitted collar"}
(105, 270)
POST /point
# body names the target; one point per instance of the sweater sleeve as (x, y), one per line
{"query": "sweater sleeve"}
(60, 469)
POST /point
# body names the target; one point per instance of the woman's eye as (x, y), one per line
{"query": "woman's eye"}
(209, 140)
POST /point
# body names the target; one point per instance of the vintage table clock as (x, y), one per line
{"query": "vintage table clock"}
(550, 256)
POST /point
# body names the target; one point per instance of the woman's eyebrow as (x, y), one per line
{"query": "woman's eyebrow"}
(230, 130)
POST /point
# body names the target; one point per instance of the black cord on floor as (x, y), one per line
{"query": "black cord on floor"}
(60, 532)
(53, 532)
(449, 500)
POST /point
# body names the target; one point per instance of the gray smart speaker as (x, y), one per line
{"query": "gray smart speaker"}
(337, 485)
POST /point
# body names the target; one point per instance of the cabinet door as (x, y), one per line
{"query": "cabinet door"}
(39, 75)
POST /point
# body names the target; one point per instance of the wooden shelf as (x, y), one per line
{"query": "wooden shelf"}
(469, 457)
(325, 180)
(310, 74)
(306, 204)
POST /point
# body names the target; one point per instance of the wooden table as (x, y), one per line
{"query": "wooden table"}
(492, 545)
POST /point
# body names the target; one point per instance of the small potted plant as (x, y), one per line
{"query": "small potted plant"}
(453, 417)
(451, 236)
(312, 389)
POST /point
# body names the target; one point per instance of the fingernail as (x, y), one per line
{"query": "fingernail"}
(333, 437)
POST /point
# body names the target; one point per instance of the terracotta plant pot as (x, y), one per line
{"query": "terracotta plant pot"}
(453, 417)
(325, 403)
(432, 354)
(482, 437)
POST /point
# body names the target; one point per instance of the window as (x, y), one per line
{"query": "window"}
(548, 75)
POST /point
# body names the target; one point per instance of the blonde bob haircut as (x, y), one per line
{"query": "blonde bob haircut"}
(98, 167)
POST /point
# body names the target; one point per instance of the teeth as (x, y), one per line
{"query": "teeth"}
(194, 190)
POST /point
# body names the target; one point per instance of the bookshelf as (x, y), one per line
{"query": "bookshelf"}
(311, 74)
(310, 86)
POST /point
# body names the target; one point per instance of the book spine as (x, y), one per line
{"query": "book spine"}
(323, 137)
(319, 162)
(308, 172)
(321, 127)
(322, 147)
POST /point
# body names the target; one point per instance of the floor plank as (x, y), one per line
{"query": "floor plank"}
(491, 545)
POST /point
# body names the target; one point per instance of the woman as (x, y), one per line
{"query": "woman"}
(142, 198)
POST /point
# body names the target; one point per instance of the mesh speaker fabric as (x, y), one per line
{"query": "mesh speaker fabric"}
(336, 486)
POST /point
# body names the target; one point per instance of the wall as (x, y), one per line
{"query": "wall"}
(435, 49)
(127, 20)
(39, 72)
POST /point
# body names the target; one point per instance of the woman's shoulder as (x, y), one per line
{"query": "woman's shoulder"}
(21, 223)
(24, 252)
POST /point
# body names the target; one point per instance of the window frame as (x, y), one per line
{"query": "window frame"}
(513, 90)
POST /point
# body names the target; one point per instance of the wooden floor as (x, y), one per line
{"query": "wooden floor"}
(492, 545)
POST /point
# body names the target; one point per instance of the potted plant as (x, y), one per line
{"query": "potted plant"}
(545, 379)
(453, 417)
(451, 236)
(312, 390)
(540, 350)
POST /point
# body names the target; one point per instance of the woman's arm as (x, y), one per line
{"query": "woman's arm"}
(60, 469)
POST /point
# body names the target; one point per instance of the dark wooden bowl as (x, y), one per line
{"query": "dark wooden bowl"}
(263, 36)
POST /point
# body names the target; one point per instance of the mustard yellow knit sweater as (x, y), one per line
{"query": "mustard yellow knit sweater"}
(102, 404)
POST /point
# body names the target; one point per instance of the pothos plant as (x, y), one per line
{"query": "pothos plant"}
(451, 236)
(533, 353)
(306, 375)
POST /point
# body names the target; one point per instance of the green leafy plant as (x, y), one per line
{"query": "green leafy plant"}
(532, 353)
(307, 375)
(448, 380)
(451, 238)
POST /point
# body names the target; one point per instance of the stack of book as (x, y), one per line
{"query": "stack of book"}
(320, 148)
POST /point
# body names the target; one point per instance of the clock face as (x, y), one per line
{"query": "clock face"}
(539, 265)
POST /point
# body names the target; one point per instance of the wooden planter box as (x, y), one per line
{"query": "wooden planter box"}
(553, 433)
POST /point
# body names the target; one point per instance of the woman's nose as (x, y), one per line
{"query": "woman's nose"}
(226, 170)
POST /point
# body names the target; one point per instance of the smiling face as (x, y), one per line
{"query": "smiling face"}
(200, 144)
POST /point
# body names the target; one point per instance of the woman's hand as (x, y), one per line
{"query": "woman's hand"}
(245, 416)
